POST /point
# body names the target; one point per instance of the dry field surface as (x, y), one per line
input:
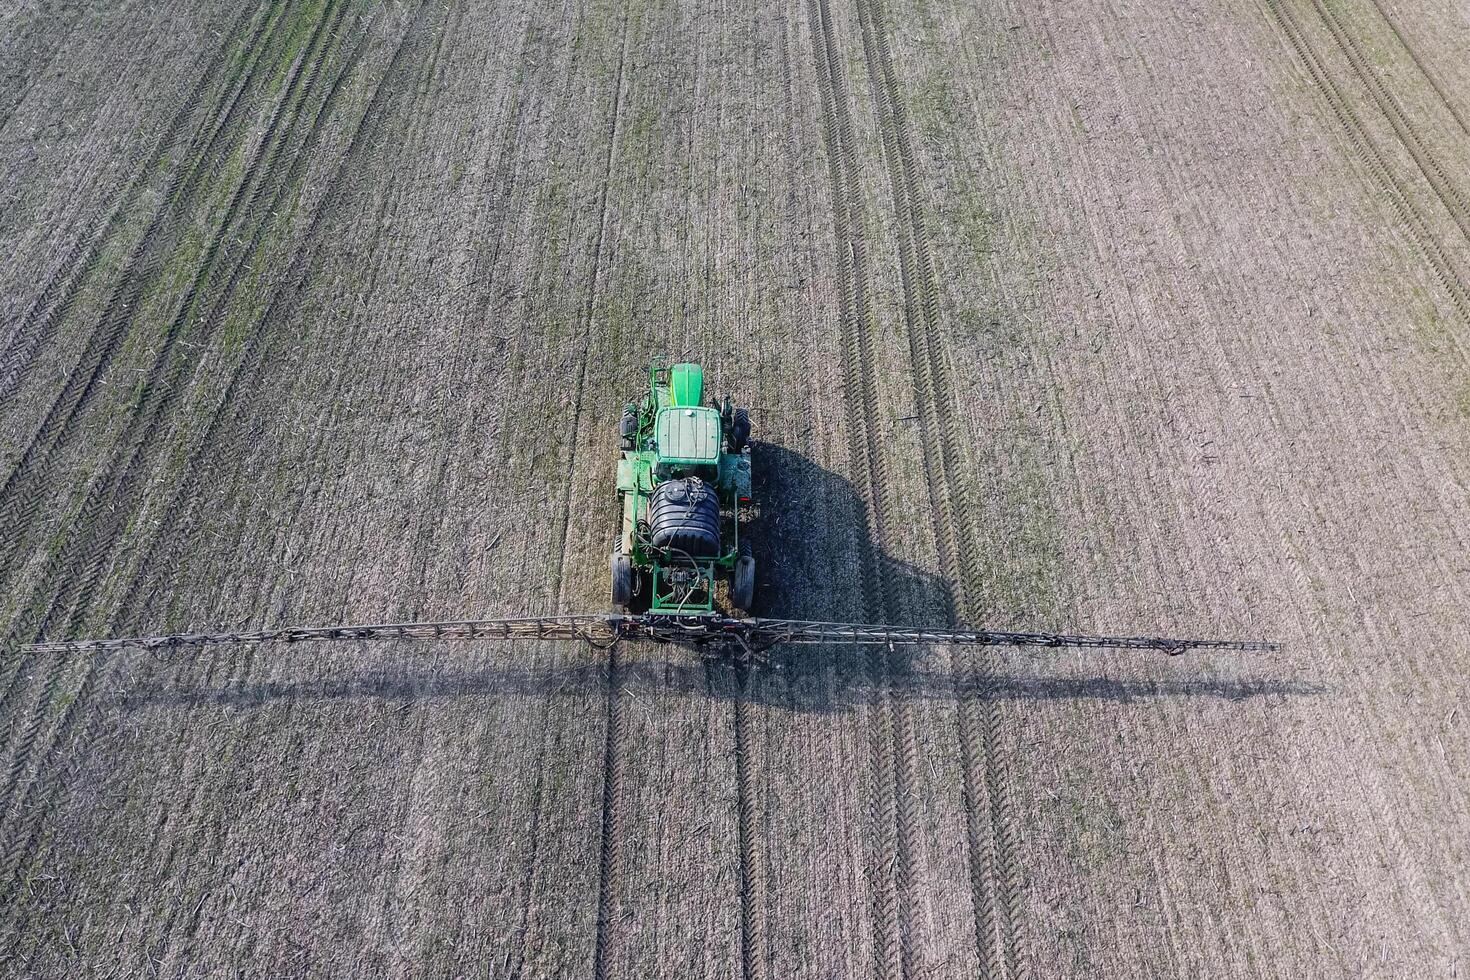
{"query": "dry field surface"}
(1112, 315)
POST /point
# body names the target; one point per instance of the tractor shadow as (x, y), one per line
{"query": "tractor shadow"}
(817, 559)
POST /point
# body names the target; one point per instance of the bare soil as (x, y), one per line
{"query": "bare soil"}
(1102, 317)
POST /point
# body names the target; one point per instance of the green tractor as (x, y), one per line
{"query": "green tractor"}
(684, 489)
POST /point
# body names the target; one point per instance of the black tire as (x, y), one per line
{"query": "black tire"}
(622, 580)
(628, 426)
(739, 430)
(742, 584)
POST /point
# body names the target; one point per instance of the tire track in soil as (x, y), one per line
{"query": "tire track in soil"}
(202, 160)
(54, 301)
(287, 297)
(587, 312)
(91, 729)
(28, 620)
(1410, 218)
(505, 182)
(364, 137)
(755, 903)
(485, 213)
(57, 38)
(909, 230)
(91, 563)
(869, 481)
(614, 767)
(399, 203)
(25, 485)
(516, 969)
(610, 856)
(996, 882)
(1429, 76)
(202, 467)
(1434, 174)
(241, 397)
(755, 947)
(188, 491)
(199, 478)
(118, 493)
(108, 505)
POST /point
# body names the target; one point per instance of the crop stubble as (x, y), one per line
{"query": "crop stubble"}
(993, 292)
(1231, 299)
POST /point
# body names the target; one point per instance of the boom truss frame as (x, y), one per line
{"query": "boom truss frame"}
(742, 636)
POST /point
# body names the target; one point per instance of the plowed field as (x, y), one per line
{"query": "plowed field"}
(1104, 316)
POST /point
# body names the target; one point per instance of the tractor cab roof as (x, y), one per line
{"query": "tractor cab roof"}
(688, 435)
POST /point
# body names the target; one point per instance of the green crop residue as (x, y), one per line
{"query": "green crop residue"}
(554, 208)
(1023, 573)
(140, 393)
(304, 21)
(1431, 332)
(238, 327)
(187, 294)
(993, 246)
(593, 39)
(638, 138)
(614, 320)
(933, 107)
(1462, 401)
(252, 294)
(976, 220)
(187, 263)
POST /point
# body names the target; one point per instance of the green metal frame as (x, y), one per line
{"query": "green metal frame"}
(668, 598)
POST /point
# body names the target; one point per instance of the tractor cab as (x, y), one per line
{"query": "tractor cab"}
(687, 441)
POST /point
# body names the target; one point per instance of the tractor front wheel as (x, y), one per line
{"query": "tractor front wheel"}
(622, 580)
(739, 430)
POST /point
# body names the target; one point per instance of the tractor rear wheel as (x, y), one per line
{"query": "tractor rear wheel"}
(742, 584)
(622, 580)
